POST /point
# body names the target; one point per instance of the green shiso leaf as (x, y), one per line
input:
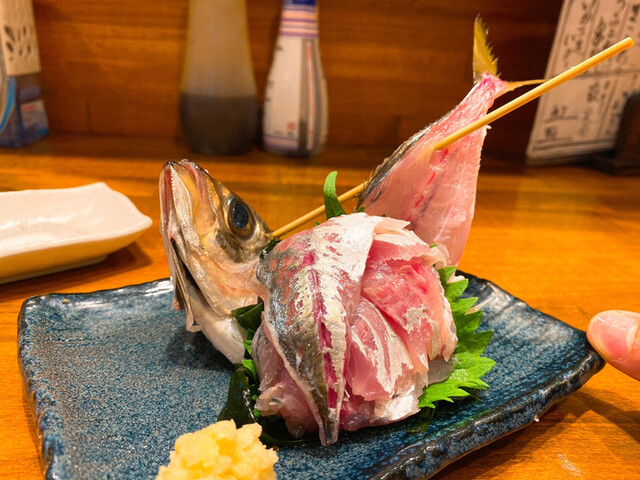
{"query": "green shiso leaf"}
(269, 246)
(239, 406)
(453, 290)
(445, 273)
(468, 324)
(251, 368)
(462, 306)
(331, 203)
(247, 346)
(249, 317)
(470, 366)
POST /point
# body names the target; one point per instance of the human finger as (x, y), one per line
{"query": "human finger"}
(615, 335)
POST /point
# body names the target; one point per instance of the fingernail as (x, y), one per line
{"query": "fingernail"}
(612, 333)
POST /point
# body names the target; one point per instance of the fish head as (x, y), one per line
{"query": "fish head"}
(212, 240)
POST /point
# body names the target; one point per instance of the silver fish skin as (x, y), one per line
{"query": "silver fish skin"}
(212, 241)
(310, 284)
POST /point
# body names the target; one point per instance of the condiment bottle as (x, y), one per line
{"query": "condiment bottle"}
(23, 118)
(218, 105)
(295, 110)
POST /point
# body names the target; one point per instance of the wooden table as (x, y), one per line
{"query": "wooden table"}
(564, 239)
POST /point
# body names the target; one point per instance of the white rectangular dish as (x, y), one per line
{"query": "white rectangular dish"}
(50, 230)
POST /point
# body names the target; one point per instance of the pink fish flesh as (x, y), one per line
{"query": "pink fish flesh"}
(337, 349)
(435, 191)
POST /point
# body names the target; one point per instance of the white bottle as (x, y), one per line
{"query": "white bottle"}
(295, 110)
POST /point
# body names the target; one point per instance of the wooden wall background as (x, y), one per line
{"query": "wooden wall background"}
(392, 66)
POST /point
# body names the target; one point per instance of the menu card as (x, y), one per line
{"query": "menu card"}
(583, 115)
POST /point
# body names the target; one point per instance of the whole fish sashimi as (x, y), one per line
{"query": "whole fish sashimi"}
(212, 241)
(435, 190)
(330, 327)
(355, 321)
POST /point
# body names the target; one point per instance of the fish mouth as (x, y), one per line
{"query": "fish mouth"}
(181, 186)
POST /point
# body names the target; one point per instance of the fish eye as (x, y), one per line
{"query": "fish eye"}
(239, 218)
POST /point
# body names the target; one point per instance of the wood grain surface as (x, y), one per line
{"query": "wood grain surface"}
(392, 66)
(564, 239)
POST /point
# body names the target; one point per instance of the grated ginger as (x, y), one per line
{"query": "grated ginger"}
(221, 452)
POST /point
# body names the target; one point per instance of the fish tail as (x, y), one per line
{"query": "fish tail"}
(484, 61)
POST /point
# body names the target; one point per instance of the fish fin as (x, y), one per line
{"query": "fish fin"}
(485, 62)
(483, 58)
(513, 85)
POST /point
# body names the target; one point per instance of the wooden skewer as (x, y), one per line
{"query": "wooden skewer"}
(487, 119)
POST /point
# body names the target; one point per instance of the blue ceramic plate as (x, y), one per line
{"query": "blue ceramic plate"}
(115, 379)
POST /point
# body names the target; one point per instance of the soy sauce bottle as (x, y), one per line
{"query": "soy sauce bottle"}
(218, 105)
(296, 109)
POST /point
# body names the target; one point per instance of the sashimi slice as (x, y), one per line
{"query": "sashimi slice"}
(411, 296)
(379, 364)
